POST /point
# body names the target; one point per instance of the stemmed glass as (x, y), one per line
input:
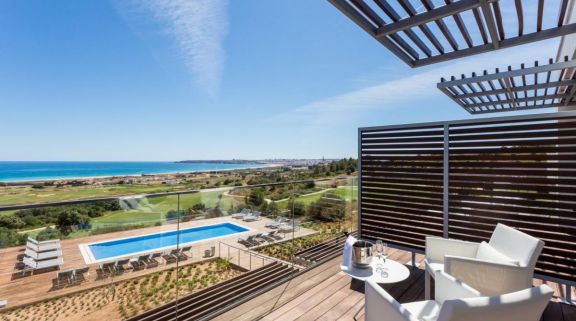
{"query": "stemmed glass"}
(381, 249)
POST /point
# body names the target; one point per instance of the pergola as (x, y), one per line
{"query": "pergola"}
(434, 33)
(540, 86)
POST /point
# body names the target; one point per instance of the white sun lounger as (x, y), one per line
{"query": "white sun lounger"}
(43, 247)
(3, 303)
(31, 240)
(276, 223)
(38, 265)
(42, 255)
(252, 217)
(242, 213)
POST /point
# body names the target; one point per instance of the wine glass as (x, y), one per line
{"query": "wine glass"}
(384, 252)
(380, 251)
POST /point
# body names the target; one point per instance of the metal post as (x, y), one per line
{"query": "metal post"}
(359, 182)
(446, 182)
(413, 259)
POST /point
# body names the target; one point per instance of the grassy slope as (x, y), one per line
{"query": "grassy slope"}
(346, 192)
(27, 194)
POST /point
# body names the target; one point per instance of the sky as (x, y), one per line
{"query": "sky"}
(167, 80)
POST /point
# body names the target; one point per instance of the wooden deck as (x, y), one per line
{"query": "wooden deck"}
(325, 293)
(21, 290)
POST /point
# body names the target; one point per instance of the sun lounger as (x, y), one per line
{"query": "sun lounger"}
(43, 247)
(152, 260)
(276, 223)
(78, 275)
(139, 263)
(40, 265)
(3, 303)
(289, 227)
(248, 241)
(252, 217)
(268, 237)
(120, 266)
(242, 213)
(170, 257)
(275, 235)
(42, 255)
(106, 269)
(63, 279)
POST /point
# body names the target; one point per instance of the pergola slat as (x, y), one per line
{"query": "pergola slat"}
(411, 11)
(461, 26)
(510, 83)
(441, 25)
(394, 16)
(494, 32)
(359, 19)
(367, 11)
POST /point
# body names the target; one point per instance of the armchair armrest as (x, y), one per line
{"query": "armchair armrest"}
(380, 305)
(437, 248)
(449, 288)
(489, 278)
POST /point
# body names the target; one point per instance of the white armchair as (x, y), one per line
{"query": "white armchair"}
(456, 301)
(505, 264)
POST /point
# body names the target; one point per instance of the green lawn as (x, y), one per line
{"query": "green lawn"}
(346, 192)
(27, 194)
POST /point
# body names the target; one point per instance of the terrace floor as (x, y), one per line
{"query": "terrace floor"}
(21, 290)
(325, 293)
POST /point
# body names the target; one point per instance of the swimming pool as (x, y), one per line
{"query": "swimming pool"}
(142, 244)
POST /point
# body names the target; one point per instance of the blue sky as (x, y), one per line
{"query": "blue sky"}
(207, 79)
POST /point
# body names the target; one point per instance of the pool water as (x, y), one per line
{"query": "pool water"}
(164, 240)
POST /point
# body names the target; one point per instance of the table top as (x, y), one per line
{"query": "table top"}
(396, 272)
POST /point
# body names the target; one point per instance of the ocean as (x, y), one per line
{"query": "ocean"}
(33, 171)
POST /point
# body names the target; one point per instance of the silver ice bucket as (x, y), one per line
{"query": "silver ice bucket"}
(362, 254)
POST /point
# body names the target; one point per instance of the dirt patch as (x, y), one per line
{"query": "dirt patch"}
(127, 298)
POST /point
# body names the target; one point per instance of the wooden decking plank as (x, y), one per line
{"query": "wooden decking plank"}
(329, 303)
(308, 301)
(343, 306)
(277, 297)
(349, 314)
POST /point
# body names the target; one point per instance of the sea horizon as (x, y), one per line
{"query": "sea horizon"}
(30, 171)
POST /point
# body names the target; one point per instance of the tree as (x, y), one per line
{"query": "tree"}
(68, 220)
(9, 238)
(256, 197)
(49, 234)
(297, 208)
(12, 222)
(199, 207)
(329, 208)
(273, 209)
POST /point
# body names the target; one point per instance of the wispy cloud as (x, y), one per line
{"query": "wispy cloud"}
(419, 87)
(199, 28)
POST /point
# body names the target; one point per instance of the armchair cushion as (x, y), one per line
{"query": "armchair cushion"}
(488, 277)
(423, 310)
(449, 288)
(487, 253)
(437, 248)
(516, 245)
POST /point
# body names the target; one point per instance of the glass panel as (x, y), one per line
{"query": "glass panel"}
(100, 259)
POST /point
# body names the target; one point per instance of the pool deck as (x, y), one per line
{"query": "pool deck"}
(21, 290)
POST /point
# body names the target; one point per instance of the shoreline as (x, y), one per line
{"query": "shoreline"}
(29, 182)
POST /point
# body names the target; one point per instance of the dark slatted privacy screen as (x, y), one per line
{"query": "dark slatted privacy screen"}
(520, 171)
(401, 199)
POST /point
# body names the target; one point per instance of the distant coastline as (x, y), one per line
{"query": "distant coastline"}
(14, 173)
